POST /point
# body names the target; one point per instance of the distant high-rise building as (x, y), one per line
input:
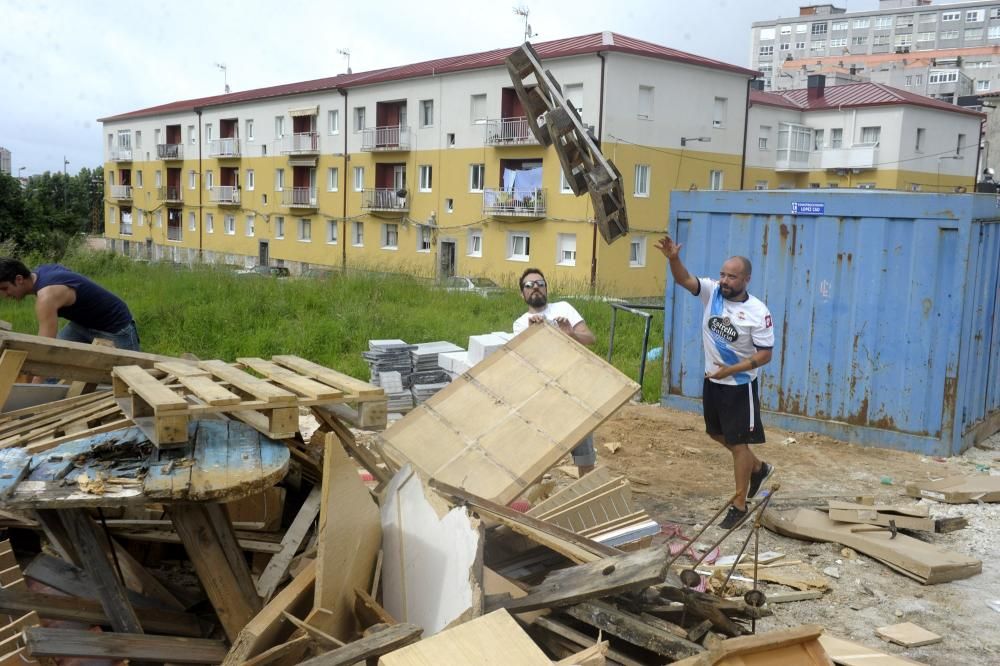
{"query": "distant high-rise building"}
(4, 160)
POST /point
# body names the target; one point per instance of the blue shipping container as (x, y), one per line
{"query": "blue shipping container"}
(885, 306)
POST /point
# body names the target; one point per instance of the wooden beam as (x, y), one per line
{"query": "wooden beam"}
(556, 628)
(44, 642)
(10, 367)
(630, 628)
(374, 645)
(362, 455)
(277, 567)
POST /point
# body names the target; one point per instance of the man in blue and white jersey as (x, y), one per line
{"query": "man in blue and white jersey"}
(738, 336)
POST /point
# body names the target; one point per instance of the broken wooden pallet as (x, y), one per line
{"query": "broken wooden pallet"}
(269, 399)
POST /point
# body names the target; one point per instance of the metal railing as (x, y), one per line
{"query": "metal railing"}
(509, 132)
(126, 229)
(389, 137)
(515, 203)
(224, 194)
(224, 147)
(169, 151)
(632, 308)
(299, 197)
(384, 198)
(169, 193)
(121, 155)
(121, 191)
(300, 143)
(175, 232)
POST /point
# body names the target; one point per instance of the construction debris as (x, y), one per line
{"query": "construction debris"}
(958, 489)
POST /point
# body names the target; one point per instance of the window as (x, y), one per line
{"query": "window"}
(279, 180)
(870, 135)
(477, 109)
(564, 186)
(818, 29)
(838, 25)
(210, 223)
(800, 27)
(208, 132)
(450, 139)
(250, 220)
(921, 132)
(566, 249)
(960, 146)
(973, 34)
(637, 251)
(141, 219)
(138, 140)
(279, 127)
(765, 51)
(192, 179)
(925, 37)
(332, 179)
(573, 92)
(948, 34)
(518, 246)
(390, 236)
(249, 129)
(715, 180)
(799, 46)
(974, 15)
(159, 219)
(719, 112)
(766, 34)
(862, 23)
(995, 13)
(838, 41)
(928, 18)
(333, 121)
(785, 30)
(883, 22)
(641, 180)
(359, 179)
(475, 243)
(993, 32)
(305, 230)
(904, 40)
(982, 85)
(426, 174)
(230, 225)
(426, 113)
(760, 185)
(449, 205)
(358, 238)
(817, 45)
(251, 181)
(138, 177)
(951, 16)
(904, 21)
(908, 81)
(424, 239)
(192, 137)
(331, 232)
(159, 178)
(192, 222)
(477, 176)
(943, 77)
(279, 227)
(763, 136)
(784, 46)
(836, 137)
(918, 79)
(866, 186)
(209, 179)
(859, 41)
(818, 139)
(359, 118)
(646, 102)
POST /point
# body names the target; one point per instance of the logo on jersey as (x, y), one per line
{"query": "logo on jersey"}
(723, 328)
(767, 321)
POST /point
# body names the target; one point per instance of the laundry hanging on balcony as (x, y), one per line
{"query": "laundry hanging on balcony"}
(522, 180)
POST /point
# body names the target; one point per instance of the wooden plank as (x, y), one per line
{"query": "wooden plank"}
(246, 382)
(908, 635)
(181, 369)
(925, 562)
(491, 640)
(110, 590)
(594, 579)
(958, 489)
(11, 361)
(63, 576)
(89, 611)
(14, 467)
(139, 382)
(630, 628)
(369, 611)
(595, 655)
(374, 645)
(208, 391)
(44, 642)
(55, 407)
(291, 380)
(848, 653)
(245, 540)
(556, 628)
(282, 653)
(797, 646)
(347, 438)
(277, 567)
(335, 379)
(46, 445)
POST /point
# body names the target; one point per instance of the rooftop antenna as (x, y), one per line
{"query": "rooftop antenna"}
(522, 10)
(225, 74)
(347, 54)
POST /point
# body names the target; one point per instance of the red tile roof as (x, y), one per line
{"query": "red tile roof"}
(559, 48)
(852, 95)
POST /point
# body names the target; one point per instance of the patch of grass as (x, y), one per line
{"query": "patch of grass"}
(213, 313)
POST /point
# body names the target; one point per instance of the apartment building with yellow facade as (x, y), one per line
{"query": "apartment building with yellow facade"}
(428, 168)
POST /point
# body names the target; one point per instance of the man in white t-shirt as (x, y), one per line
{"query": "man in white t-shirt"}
(738, 336)
(564, 316)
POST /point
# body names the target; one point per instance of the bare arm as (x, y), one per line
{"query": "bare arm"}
(760, 357)
(47, 304)
(672, 251)
(582, 334)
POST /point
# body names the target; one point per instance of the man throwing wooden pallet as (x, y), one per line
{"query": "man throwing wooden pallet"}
(738, 336)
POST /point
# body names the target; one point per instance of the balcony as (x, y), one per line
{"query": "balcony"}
(170, 193)
(169, 151)
(225, 195)
(121, 192)
(300, 143)
(299, 197)
(514, 203)
(856, 157)
(224, 148)
(121, 155)
(509, 132)
(384, 199)
(175, 232)
(388, 138)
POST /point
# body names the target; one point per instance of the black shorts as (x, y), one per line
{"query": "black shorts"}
(733, 412)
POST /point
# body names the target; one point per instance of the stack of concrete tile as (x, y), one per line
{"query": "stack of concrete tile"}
(428, 377)
(398, 398)
(481, 346)
(389, 356)
(454, 363)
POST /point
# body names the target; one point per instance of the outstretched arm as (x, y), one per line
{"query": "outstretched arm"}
(672, 251)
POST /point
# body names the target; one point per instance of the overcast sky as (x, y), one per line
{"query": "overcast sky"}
(65, 63)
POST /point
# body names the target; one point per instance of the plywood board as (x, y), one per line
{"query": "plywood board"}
(432, 566)
(798, 646)
(848, 653)
(912, 517)
(499, 427)
(958, 489)
(491, 640)
(925, 562)
(908, 635)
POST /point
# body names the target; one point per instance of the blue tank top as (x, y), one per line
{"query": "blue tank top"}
(95, 306)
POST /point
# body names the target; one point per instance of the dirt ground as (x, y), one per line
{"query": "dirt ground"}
(681, 476)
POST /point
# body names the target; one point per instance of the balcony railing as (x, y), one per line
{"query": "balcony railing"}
(175, 232)
(856, 157)
(514, 203)
(384, 199)
(126, 229)
(121, 154)
(300, 143)
(169, 151)
(169, 193)
(390, 137)
(299, 197)
(509, 132)
(121, 191)
(224, 147)
(224, 195)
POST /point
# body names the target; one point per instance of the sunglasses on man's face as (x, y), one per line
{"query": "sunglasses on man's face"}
(531, 284)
